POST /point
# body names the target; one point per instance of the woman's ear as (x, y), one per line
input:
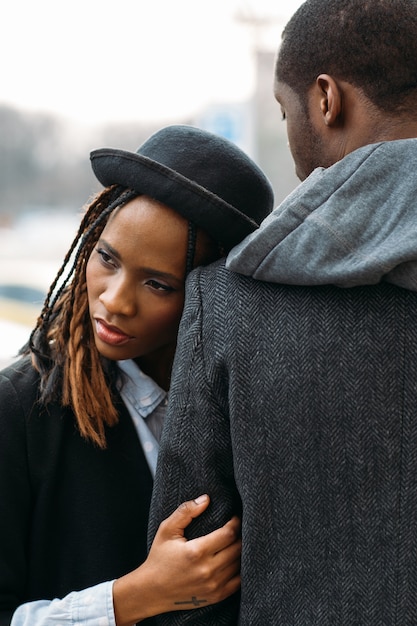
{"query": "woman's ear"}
(330, 96)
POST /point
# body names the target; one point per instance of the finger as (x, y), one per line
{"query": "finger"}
(229, 587)
(229, 554)
(230, 572)
(227, 580)
(175, 524)
(218, 539)
(235, 524)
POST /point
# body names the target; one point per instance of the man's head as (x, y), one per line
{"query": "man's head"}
(368, 50)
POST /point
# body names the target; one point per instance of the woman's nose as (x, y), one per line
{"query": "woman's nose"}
(119, 297)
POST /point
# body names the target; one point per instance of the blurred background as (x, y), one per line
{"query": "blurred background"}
(97, 73)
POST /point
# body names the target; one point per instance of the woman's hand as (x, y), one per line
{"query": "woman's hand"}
(180, 574)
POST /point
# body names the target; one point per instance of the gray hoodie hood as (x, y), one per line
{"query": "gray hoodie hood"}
(354, 223)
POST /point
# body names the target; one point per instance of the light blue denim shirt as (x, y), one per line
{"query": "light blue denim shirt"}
(146, 403)
(89, 607)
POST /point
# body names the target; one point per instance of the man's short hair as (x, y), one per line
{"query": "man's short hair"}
(371, 44)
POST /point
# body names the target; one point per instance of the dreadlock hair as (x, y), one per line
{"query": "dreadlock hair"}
(62, 344)
(370, 43)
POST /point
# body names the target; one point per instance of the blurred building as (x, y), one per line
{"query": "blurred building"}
(272, 151)
(256, 125)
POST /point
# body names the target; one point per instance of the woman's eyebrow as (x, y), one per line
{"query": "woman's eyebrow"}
(148, 270)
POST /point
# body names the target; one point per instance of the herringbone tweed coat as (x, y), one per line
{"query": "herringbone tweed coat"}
(299, 405)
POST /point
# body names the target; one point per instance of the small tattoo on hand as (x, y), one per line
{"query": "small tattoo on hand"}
(194, 601)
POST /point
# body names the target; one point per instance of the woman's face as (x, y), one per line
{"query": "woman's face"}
(135, 283)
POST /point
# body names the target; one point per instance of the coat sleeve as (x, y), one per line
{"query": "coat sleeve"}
(195, 455)
(15, 500)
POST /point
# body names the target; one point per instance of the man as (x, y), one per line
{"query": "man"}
(294, 399)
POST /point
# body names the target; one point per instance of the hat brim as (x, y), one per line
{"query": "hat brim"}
(222, 221)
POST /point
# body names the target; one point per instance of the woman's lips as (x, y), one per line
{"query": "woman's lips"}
(111, 334)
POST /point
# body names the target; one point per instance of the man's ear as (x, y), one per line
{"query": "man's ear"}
(330, 96)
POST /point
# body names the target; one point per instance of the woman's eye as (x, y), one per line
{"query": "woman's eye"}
(283, 114)
(105, 257)
(158, 286)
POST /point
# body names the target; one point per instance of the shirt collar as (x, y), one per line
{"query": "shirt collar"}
(143, 392)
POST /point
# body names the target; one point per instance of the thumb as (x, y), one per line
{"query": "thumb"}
(178, 521)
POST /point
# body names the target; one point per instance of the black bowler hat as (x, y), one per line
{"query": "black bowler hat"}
(206, 178)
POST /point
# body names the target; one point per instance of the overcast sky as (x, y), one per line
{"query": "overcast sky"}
(109, 60)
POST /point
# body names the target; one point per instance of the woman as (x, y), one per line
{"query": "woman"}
(81, 413)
